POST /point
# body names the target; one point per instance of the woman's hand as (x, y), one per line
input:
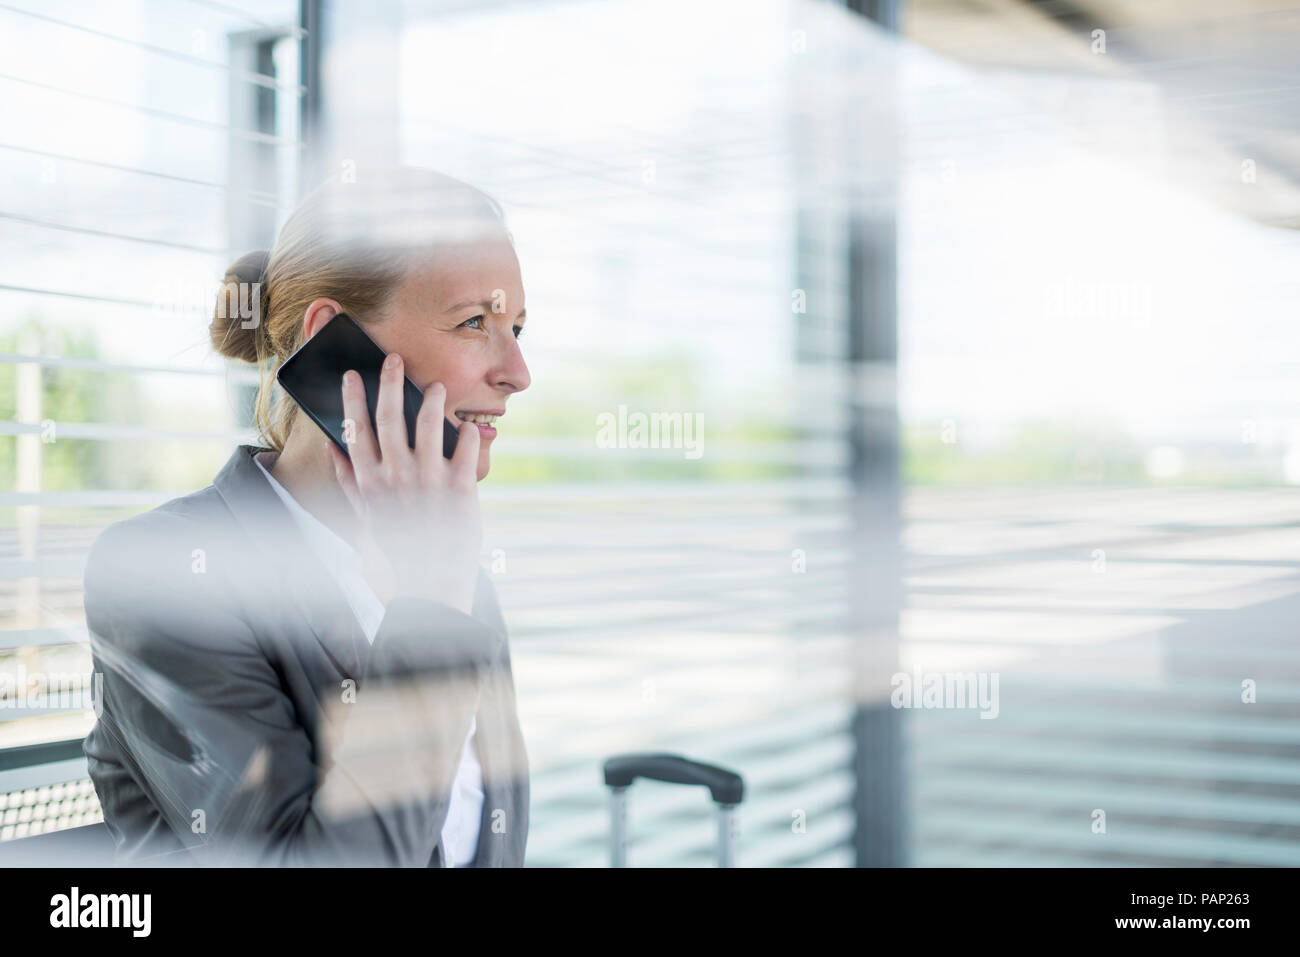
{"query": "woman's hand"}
(419, 508)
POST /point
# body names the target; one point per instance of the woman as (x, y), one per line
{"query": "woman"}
(303, 662)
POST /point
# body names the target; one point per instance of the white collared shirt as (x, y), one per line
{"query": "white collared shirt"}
(464, 815)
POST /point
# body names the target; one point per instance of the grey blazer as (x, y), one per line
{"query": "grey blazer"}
(245, 719)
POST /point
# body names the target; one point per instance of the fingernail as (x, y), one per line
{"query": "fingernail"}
(439, 388)
(391, 361)
(347, 377)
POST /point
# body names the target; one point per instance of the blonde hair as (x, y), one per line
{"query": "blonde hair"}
(351, 240)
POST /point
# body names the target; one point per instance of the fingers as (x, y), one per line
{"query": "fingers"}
(356, 425)
(428, 429)
(390, 419)
(464, 461)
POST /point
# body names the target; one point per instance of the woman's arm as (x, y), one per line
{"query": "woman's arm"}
(196, 708)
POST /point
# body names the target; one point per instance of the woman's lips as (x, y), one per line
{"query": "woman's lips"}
(485, 431)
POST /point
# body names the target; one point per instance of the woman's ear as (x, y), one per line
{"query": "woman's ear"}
(318, 312)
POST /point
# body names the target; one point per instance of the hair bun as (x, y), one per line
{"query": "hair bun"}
(237, 329)
(250, 267)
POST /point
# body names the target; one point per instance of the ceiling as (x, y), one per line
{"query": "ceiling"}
(1226, 75)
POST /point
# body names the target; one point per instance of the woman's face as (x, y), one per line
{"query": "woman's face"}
(456, 320)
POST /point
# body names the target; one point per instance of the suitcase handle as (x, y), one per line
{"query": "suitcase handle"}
(725, 787)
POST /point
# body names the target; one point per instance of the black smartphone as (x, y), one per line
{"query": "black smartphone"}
(313, 377)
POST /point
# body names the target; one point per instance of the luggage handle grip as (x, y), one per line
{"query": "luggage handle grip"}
(726, 787)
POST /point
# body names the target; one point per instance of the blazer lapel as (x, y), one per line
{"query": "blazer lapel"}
(295, 572)
(293, 567)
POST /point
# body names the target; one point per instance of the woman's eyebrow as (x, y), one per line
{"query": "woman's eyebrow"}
(485, 303)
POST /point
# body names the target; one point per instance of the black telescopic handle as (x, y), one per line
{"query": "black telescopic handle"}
(726, 787)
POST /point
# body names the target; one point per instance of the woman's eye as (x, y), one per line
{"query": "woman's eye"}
(518, 330)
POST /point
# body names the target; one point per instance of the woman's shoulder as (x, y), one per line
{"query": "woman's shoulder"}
(165, 550)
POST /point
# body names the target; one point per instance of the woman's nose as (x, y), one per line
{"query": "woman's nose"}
(513, 371)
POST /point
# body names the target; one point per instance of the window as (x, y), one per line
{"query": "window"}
(142, 142)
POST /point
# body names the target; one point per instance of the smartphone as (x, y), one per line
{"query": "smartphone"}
(313, 377)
